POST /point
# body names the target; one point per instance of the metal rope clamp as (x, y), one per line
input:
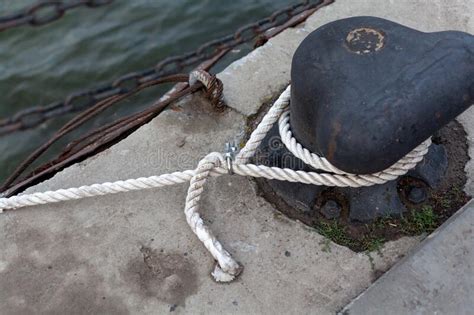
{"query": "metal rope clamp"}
(365, 92)
(230, 152)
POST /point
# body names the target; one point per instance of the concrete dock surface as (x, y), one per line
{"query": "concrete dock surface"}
(134, 252)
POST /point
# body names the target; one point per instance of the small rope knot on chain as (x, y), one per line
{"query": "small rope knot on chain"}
(213, 86)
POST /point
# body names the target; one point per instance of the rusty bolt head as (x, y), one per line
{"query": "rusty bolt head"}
(331, 210)
(417, 195)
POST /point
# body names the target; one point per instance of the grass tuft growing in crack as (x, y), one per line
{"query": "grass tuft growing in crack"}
(418, 221)
(422, 221)
(335, 232)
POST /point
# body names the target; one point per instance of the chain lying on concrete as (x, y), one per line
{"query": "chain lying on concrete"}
(82, 147)
(94, 101)
(45, 12)
(261, 30)
(215, 164)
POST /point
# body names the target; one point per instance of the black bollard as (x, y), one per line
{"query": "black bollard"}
(365, 92)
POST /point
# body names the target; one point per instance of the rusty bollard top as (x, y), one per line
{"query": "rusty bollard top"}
(366, 91)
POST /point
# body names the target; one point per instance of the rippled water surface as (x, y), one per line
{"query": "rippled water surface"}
(91, 46)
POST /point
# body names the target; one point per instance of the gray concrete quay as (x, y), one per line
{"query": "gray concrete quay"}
(134, 253)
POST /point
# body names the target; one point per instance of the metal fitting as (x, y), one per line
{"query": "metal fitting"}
(230, 152)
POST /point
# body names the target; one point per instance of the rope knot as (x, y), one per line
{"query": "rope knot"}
(211, 161)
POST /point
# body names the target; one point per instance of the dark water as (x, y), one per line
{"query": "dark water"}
(91, 46)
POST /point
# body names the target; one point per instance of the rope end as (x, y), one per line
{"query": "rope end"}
(220, 275)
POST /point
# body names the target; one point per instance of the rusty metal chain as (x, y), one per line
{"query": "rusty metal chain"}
(79, 101)
(95, 101)
(45, 12)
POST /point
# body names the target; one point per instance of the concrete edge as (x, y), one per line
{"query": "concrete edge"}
(439, 232)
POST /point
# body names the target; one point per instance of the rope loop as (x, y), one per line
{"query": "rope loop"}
(214, 87)
(227, 268)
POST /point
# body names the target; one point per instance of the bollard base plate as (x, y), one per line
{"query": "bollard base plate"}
(413, 204)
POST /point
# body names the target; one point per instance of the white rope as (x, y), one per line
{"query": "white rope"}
(226, 268)
(214, 164)
(279, 111)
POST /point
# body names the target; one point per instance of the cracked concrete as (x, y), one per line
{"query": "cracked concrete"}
(134, 253)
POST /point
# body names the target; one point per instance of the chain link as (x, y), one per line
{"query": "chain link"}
(127, 83)
(45, 12)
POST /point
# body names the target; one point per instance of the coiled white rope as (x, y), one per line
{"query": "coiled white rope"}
(279, 111)
(214, 164)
